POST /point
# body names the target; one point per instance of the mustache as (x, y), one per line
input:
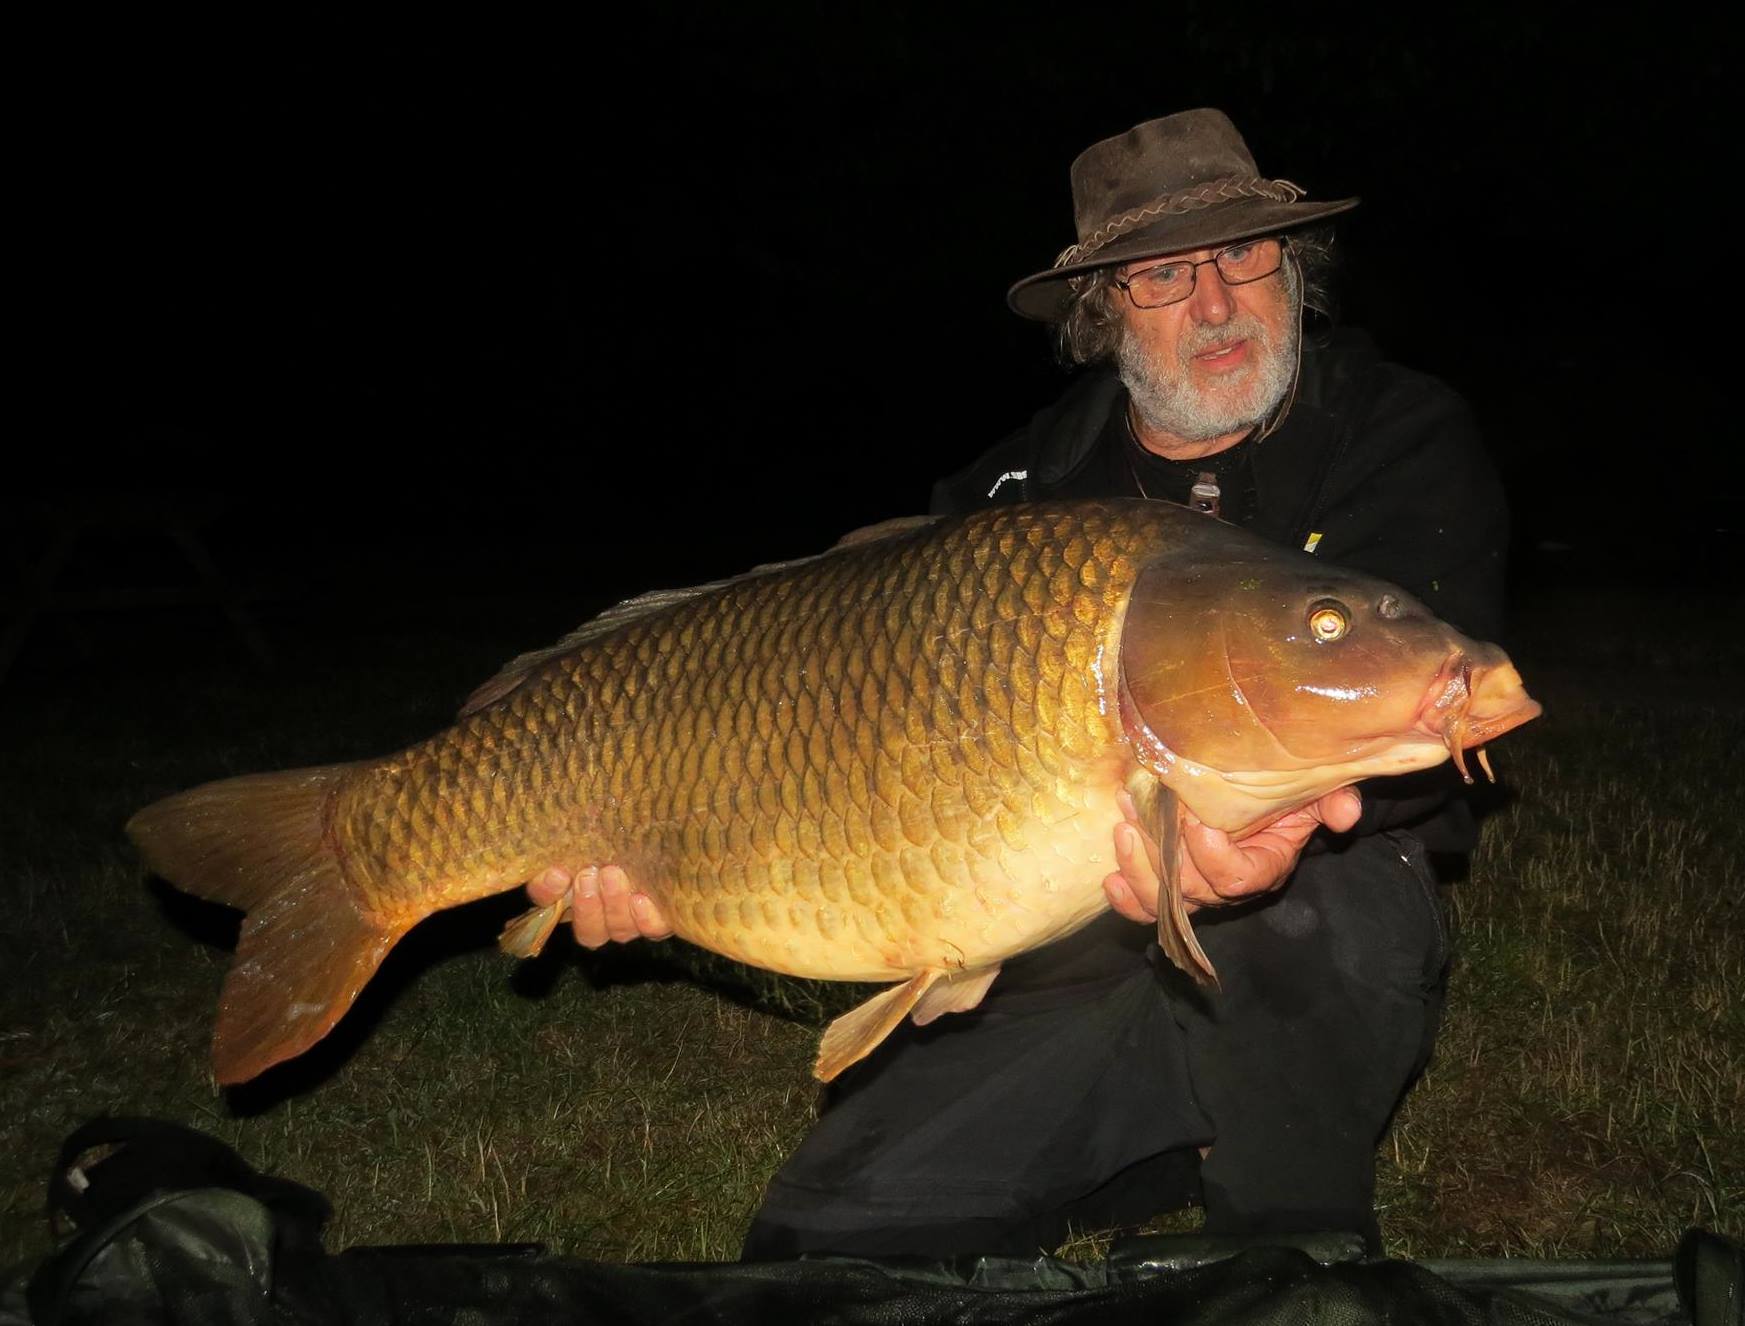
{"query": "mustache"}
(1245, 326)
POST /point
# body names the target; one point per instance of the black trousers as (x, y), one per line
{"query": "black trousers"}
(994, 1131)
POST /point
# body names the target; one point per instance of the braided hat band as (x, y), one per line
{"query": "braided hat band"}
(1174, 204)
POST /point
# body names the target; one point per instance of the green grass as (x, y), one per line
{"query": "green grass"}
(1588, 1091)
(1587, 1095)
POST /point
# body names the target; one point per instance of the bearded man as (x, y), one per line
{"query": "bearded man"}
(1094, 1085)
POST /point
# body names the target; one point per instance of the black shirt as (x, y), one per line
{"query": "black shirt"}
(1132, 471)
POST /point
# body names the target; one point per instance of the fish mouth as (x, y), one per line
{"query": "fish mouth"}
(1468, 704)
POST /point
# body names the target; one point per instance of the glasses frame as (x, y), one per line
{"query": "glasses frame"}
(1126, 282)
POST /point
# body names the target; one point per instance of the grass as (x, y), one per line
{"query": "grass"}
(1587, 1095)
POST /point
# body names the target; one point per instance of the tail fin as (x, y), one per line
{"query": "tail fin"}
(308, 943)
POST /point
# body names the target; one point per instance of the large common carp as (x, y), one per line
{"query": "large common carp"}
(896, 761)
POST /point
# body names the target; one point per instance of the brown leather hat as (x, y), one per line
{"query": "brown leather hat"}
(1173, 185)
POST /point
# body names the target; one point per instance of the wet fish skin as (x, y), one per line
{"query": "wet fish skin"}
(898, 760)
(833, 771)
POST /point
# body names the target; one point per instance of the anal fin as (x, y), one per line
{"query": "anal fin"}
(957, 993)
(858, 1032)
(525, 936)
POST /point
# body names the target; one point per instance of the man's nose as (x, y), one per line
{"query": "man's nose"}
(1211, 301)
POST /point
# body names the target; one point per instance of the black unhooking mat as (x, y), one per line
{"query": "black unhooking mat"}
(173, 1227)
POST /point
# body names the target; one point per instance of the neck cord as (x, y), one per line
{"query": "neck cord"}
(1203, 496)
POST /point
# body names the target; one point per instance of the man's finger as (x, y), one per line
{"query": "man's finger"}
(1124, 801)
(1341, 809)
(587, 916)
(1121, 898)
(1137, 857)
(615, 895)
(650, 923)
(1233, 870)
(548, 886)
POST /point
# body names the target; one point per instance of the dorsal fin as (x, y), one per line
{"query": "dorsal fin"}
(523, 666)
(884, 529)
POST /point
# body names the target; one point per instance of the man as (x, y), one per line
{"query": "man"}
(1090, 1083)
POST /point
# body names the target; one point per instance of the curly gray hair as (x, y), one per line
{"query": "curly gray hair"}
(1091, 329)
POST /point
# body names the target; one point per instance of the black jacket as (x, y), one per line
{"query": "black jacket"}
(1383, 462)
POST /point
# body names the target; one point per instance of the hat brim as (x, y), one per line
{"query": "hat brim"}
(1046, 296)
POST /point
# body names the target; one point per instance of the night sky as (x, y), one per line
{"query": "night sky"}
(441, 312)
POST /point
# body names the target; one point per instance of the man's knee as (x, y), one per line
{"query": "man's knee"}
(1367, 918)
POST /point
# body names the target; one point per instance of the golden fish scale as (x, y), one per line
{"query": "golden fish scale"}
(896, 756)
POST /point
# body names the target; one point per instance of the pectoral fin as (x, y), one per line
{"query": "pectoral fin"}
(857, 1032)
(525, 936)
(1161, 808)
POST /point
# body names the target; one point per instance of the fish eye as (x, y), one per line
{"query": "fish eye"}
(1328, 620)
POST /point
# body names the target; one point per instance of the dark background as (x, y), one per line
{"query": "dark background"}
(464, 315)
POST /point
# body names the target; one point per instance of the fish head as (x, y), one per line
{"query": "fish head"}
(1256, 685)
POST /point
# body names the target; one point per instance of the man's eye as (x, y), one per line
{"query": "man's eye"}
(1165, 275)
(1238, 253)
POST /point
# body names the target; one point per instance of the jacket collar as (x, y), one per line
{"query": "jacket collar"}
(1290, 467)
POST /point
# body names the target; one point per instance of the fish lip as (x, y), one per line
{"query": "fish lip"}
(1466, 705)
(1449, 692)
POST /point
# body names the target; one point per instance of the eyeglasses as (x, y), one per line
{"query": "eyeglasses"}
(1172, 282)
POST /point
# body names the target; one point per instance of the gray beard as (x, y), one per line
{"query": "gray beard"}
(1166, 399)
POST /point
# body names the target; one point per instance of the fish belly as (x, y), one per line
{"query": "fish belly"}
(952, 906)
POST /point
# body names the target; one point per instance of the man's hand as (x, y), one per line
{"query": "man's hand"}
(603, 907)
(1216, 870)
